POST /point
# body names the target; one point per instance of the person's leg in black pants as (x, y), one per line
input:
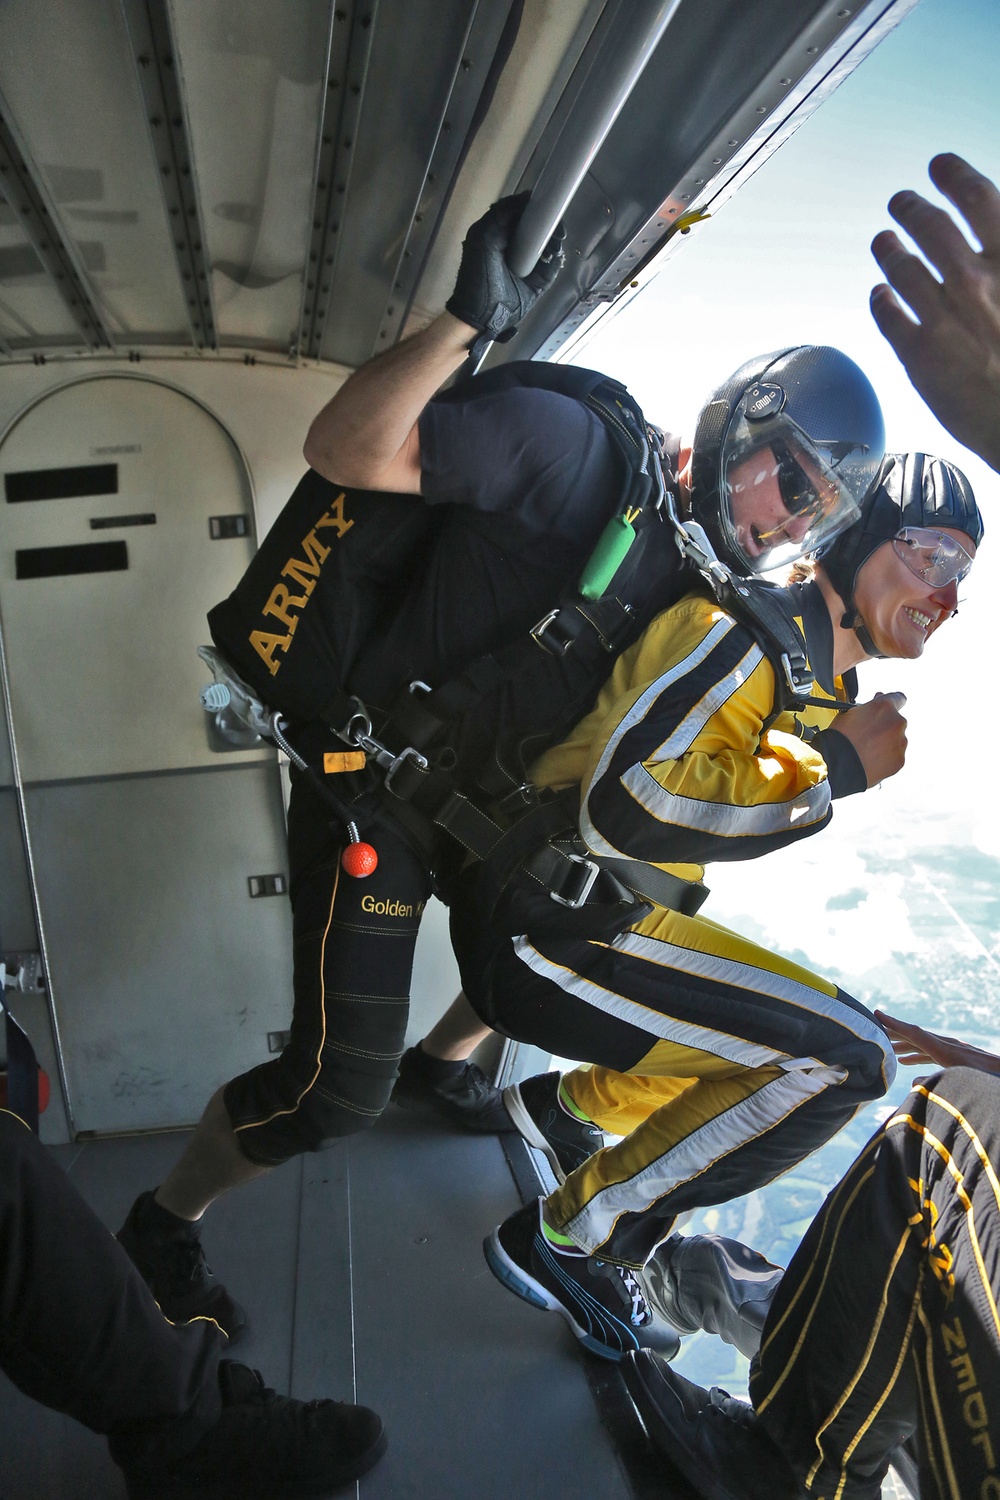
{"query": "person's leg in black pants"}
(80, 1333)
(886, 1320)
(884, 1326)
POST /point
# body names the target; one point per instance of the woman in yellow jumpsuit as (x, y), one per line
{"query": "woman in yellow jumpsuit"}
(730, 1062)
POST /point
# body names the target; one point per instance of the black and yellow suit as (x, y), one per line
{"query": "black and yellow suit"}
(721, 1063)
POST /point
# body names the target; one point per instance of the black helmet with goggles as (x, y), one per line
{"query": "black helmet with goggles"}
(805, 418)
(918, 496)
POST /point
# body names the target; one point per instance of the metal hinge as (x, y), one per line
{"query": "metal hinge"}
(22, 971)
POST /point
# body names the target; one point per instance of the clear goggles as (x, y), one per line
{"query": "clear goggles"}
(818, 505)
(934, 557)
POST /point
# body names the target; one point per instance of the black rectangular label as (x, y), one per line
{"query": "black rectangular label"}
(61, 484)
(60, 562)
(105, 523)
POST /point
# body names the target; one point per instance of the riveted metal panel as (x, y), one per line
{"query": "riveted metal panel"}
(166, 977)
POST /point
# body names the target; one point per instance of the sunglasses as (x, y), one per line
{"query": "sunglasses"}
(934, 558)
(800, 494)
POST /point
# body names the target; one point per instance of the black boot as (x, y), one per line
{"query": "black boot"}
(168, 1254)
(266, 1447)
(712, 1438)
(459, 1092)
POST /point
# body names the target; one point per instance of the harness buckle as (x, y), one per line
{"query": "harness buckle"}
(586, 881)
(797, 674)
(409, 756)
(543, 635)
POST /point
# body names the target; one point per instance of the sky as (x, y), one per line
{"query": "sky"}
(787, 261)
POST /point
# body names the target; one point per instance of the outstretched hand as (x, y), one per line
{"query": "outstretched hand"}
(950, 348)
(913, 1046)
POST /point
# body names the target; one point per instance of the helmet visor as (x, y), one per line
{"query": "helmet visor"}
(783, 496)
(936, 558)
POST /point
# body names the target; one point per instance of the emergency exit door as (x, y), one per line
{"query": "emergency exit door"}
(126, 514)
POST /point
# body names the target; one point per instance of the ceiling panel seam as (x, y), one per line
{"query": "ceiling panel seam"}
(472, 70)
(158, 75)
(351, 29)
(39, 222)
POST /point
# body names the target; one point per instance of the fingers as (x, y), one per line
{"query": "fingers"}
(905, 1030)
(934, 231)
(911, 1056)
(501, 218)
(908, 275)
(550, 262)
(975, 196)
(893, 323)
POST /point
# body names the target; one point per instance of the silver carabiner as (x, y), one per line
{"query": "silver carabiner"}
(409, 754)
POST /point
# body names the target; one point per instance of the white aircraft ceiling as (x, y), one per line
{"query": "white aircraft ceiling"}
(292, 178)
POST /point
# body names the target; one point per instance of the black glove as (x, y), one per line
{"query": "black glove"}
(487, 293)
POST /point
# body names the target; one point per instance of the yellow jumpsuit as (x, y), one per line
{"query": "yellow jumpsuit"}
(722, 1063)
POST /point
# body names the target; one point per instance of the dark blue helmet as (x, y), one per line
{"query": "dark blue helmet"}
(816, 415)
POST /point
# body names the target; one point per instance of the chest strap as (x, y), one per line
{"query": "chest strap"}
(569, 871)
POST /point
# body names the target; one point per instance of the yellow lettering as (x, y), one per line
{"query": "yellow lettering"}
(974, 1410)
(266, 645)
(281, 601)
(335, 517)
(953, 1338)
(990, 1487)
(316, 555)
(982, 1440)
(962, 1365)
(386, 908)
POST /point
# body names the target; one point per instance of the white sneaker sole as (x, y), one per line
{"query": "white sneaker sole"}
(525, 1125)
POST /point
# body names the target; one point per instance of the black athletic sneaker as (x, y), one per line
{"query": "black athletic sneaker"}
(168, 1254)
(714, 1439)
(536, 1111)
(267, 1447)
(468, 1099)
(602, 1303)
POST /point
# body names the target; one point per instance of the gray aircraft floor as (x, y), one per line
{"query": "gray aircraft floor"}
(363, 1273)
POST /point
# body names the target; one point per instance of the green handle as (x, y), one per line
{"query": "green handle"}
(607, 557)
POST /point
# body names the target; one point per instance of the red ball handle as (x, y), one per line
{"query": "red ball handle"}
(359, 860)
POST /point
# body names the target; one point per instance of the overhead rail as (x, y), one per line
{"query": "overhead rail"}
(773, 64)
(158, 77)
(631, 34)
(28, 202)
(349, 45)
(485, 47)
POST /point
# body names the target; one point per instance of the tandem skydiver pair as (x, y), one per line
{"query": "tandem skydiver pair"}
(787, 452)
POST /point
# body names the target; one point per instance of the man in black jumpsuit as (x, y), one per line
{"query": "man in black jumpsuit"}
(509, 489)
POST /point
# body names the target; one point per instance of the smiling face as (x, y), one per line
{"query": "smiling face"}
(900, 610)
